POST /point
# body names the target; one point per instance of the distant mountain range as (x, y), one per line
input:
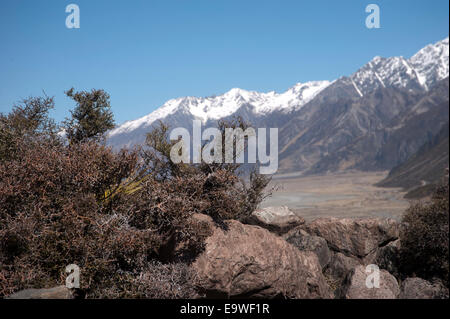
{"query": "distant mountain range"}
(253, 106)
(374, 119)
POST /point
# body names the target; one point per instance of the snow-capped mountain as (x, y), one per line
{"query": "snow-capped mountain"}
(431, 63)
(374, 119)
(417, 74)
(420, 72)
(181, 111)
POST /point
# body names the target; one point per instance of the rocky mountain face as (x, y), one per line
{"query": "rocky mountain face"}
(374, 119)
(423, 170)
(376, 132)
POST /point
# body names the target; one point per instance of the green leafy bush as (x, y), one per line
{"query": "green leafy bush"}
(91, 118)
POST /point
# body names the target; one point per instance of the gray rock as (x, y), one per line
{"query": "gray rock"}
(388, 257)
(417, 288)
(279, 220)
(305, 242)
(356, 237)
(340, 265)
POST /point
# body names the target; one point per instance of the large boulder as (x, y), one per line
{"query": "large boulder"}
(356, 237)
(305, 242)
(279, 220)
(250, 262)
(60, 292)
(417, 288)
(355, 286)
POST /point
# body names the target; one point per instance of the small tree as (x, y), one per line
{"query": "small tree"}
(28, 119)
(91, 118)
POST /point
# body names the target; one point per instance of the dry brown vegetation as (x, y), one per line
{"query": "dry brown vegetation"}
(425, 239)
(122, 217)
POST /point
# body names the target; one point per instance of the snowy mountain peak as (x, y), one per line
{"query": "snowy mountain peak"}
(376, 59)
(428, 66)
(236, 92)
(431, 62)
(217, 107)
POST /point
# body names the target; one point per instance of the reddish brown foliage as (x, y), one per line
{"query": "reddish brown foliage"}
(115, 215)
(425, 239)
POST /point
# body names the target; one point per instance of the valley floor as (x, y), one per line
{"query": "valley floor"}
(350, 195)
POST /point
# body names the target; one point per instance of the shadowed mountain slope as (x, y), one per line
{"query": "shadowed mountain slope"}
(422, 171)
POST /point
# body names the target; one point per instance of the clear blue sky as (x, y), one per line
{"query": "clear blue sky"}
(144, 52)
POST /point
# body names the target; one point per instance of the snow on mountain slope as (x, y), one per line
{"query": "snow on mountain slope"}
(214, 108)
(217, 107)
(420, 72)
(431, 62)
(428, 66)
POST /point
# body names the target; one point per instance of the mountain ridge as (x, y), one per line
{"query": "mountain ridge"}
(322, 122)
(371, 73)
(423, 171)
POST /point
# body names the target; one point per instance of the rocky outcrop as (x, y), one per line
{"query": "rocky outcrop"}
(342, 245)
(279, 220)
(417, 288)
(354, 237)
(355, 286)
(250, 262)
(305, 242)
(60, 292)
